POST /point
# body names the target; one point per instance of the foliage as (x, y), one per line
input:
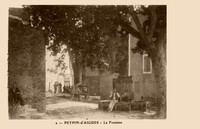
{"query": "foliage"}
(81, 28)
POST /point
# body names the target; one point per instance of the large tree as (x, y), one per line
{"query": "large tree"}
(84, 29)
(152, 39)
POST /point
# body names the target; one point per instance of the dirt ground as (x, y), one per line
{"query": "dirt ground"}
(61, 107)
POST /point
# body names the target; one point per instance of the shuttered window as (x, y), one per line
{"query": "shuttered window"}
(147, 64)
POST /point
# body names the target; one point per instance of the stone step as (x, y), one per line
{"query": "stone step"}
(31, 116)
(28, 114)
(27, 106)
(31, 110)
(24, 116)
(26, 111)
(37, 116)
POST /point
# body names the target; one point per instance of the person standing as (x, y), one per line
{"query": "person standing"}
(114, 97)
(14, 95)
(55, 87)
(14, 99)
(60, 88)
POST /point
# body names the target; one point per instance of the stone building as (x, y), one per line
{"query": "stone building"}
(137, 72)
(58, 74)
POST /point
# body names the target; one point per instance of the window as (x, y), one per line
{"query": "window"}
(147, 64)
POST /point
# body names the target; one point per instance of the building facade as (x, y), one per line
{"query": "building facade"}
(55, 74)
(141, 71)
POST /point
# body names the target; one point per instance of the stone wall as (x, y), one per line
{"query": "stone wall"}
(26, 62)
(38, 68)
(106, 85)
(92, 80)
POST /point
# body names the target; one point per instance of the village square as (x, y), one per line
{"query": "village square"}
(87, 62)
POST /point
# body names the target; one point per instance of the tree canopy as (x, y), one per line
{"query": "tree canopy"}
(83, 28)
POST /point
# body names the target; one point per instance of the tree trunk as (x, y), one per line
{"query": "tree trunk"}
(159, 66)
(77, 68)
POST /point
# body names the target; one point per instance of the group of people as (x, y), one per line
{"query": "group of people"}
(67, 89)
(57, 87)
(78, 91)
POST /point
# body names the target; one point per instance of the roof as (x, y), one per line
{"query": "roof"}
(19, 14)
(16, 12)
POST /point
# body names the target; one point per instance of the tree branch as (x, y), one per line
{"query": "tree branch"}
(153, 19)
(130, 29)
(138, 25)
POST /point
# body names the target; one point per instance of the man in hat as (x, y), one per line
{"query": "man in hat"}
(114, 97)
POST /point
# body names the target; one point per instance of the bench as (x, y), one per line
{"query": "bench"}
(120, 106)
(123, 106)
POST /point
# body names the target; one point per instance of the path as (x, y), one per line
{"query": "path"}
(62, 108)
